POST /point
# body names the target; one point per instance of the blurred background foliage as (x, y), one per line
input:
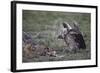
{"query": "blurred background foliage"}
(44, 26)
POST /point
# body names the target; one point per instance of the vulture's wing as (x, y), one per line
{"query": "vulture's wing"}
(80, 40)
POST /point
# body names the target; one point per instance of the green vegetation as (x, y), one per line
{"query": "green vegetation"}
(44, 26)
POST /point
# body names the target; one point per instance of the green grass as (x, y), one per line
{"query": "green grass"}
(45, 26)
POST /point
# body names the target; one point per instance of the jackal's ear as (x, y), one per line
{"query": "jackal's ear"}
(67, 26)
(76, 25)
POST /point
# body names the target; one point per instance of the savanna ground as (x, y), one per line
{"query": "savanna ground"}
(44, 26)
